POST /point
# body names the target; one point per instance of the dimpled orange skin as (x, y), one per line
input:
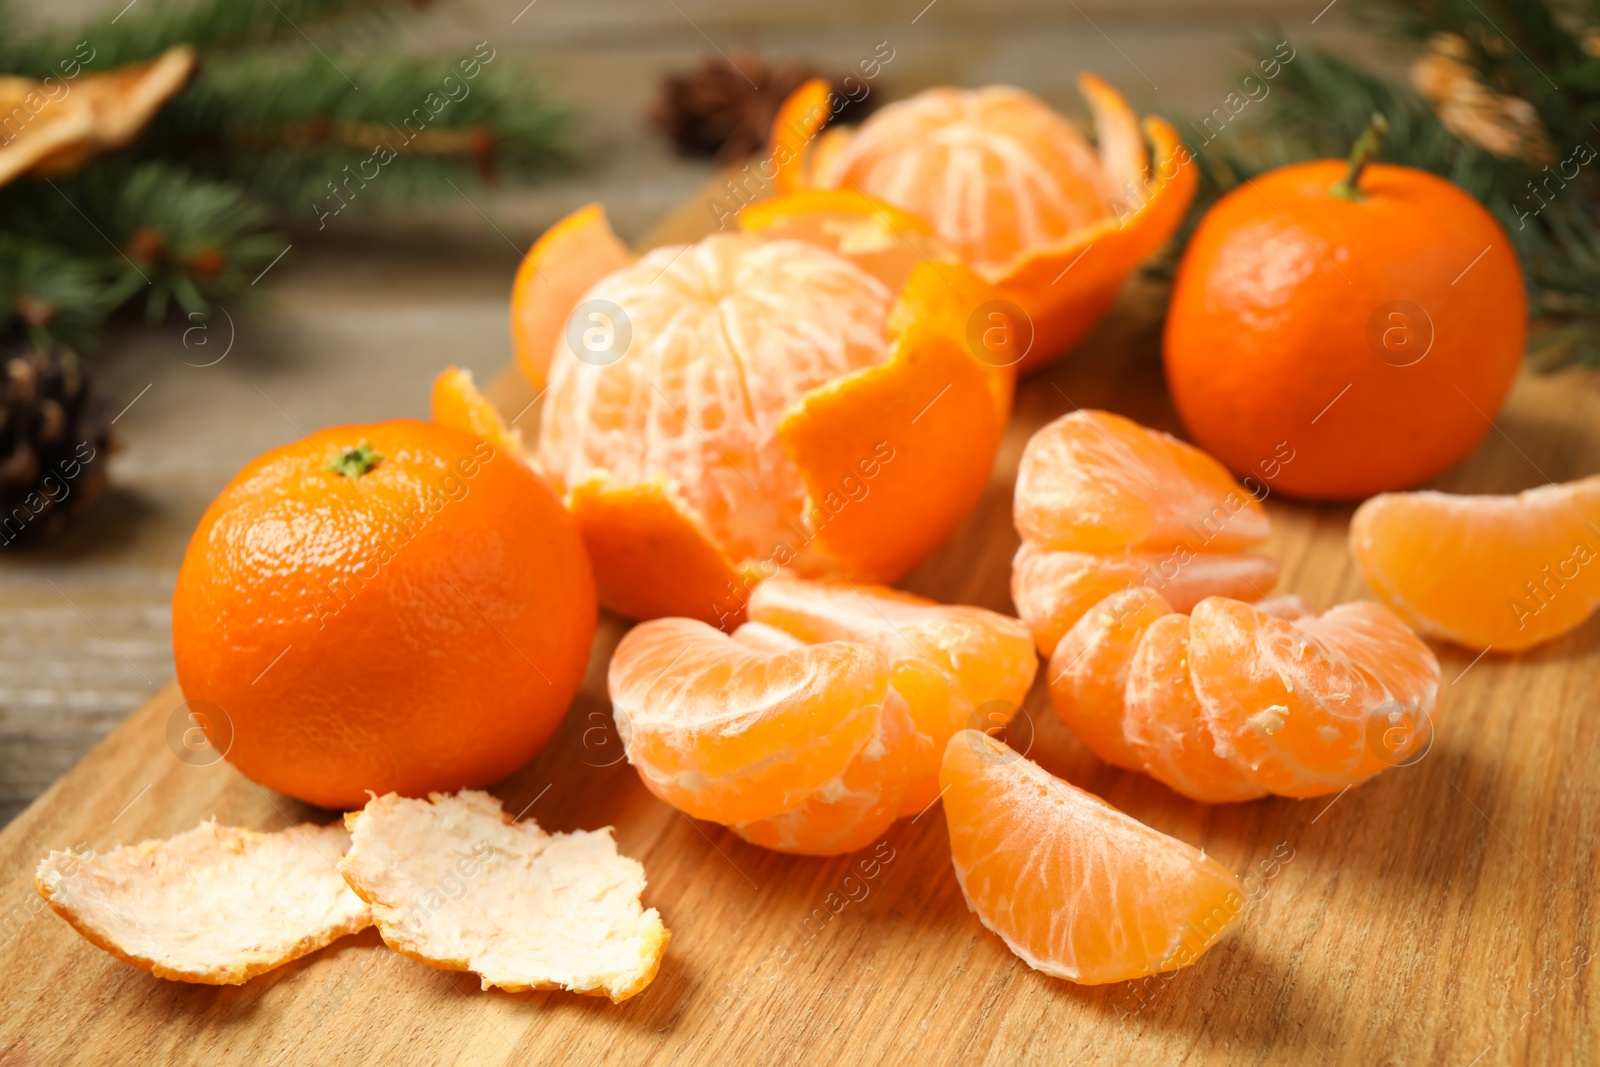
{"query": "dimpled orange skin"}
(355, 642)
(1268, 327)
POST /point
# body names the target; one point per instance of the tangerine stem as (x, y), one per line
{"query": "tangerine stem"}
(1363, 152)
(354, 462)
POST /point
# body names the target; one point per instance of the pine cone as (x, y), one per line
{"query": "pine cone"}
(726, 108)
(55, 442)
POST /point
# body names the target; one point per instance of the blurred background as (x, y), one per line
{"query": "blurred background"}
(198, 240)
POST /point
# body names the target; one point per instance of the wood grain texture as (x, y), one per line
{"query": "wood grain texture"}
(1442, 913)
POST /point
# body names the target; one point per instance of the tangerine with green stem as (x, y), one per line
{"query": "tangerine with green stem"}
(1370, 317)
(398, 606)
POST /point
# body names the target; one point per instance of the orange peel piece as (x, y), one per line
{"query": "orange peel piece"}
(458, 404)
(652, 558)
(934, 402)
(456, 883)
(560, 267)
(794, 129)
(216, 905)
(1123, 155)
(1067, 288)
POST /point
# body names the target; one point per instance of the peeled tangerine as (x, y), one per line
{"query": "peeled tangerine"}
(1013, 187)
(1124, 530)
(456, 883)
(1073, 886)
(215, 905)
(800, 395)
(821, 721)
(1505, 572)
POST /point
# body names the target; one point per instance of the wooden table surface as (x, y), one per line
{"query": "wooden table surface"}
(1443, 913)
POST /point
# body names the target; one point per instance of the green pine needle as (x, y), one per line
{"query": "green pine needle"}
(289, 125)
(211, 26)
(272, 130)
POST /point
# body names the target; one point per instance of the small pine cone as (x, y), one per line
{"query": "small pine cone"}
(726, 108)
(55, 442)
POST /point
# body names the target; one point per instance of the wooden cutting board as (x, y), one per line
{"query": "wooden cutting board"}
(1444, 913)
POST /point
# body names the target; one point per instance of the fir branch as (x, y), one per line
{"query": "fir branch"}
(212, 26)
(289, 127)
(269, 122)
(116, 229)
(50, 293)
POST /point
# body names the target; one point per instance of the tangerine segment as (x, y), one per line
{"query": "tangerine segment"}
(458, 404)
(1052, 590)
(996, 170)
(953, 664)
(895, 455)
(764, 638)
(1311, 705)
(1089, 670)
(1165, 727)
(1073, 886)
(848, 812)
(1092, 481)
(882, 240)
(561, 266)
(1531, 558)
(732, 733)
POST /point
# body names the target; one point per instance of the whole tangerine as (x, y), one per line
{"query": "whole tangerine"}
(397, 606)
(1343, 329)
